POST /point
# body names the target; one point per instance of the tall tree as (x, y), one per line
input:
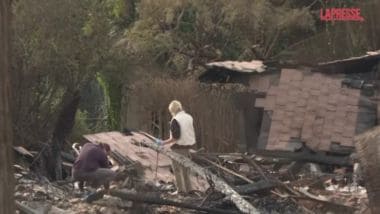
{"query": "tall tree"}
(6, 175)
(182, 35)
(58, 47)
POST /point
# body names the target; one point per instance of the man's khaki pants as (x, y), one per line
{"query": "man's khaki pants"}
(181, 173)
(101, 176)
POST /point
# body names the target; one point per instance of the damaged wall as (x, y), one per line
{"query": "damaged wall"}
(300, 107)
(313, 108)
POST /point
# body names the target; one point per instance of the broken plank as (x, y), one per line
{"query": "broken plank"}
(228, 170)
(120, 158)
(256, 187)
(219, 183)
(255, 165)
(21, 150)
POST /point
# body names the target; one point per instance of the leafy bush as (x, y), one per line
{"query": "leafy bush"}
(80, 127)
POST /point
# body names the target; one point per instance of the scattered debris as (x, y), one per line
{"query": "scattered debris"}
(227, 183)
(23, 151)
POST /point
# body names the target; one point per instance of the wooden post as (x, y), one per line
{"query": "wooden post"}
(6, 172)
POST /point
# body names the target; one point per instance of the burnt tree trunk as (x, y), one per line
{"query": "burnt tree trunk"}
(63, 128)
(368, 150)
(6, 174)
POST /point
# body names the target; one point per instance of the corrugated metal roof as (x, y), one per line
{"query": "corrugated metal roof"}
(240, 66)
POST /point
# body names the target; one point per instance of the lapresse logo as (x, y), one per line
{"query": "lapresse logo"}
(341, 14)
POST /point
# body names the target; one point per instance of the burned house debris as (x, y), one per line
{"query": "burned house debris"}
(250, 160)
(313, 109)
(235, 183)
(261, 107)
(234, 175)
(322, 107)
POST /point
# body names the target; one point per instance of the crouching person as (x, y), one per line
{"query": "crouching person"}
(93, 167)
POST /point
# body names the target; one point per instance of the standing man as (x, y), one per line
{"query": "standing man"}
(182, 135)
(93, 167)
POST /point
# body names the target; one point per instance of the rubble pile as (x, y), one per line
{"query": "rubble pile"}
(281, 186)
(271, 185)
(36, 195)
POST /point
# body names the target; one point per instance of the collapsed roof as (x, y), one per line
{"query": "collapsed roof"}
(231, 71)
(314, 109)
(352, 64)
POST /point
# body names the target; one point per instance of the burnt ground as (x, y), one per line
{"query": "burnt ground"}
(310, 188)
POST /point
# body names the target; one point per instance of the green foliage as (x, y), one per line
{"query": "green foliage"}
(112, 92)
(80, 127)
(176, 33)
(122, 12)
(119, 8)
(58, 46)
(338, 40)
(187, 22)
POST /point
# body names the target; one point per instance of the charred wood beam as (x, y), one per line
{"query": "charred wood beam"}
(306, 156)
(228, 178)
(256, 187)
(116, 157)
(256, 166)
(275, 180)
(238, 157)
(228, 170)
(24, 209)
(219, 184)
(151, 199)
(120, 158)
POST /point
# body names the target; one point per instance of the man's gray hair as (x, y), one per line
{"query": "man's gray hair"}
(174, 107)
